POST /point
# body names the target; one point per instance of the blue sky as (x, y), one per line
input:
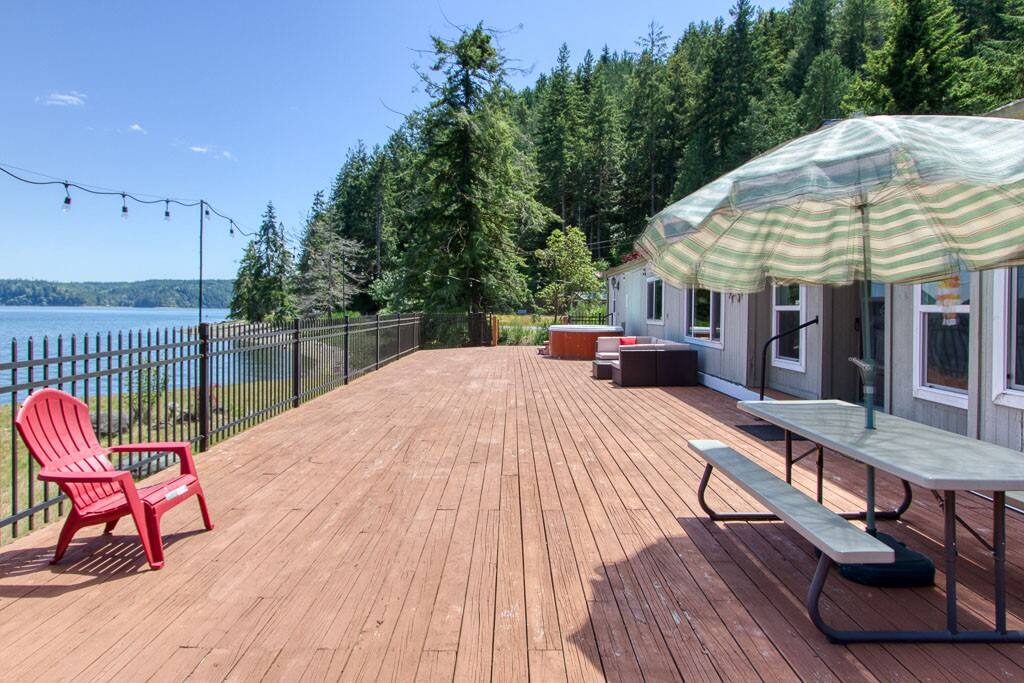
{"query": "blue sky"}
(237, 103)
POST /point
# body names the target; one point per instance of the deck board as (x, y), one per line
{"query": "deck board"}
(479, 514)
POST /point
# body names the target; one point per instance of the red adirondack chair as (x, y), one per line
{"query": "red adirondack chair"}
(58, 432)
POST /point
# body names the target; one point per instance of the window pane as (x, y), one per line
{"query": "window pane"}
(657, 299)
(958, 286)
(1017, 329)
(946, 351)
(650, 300)
(787, 347)
(716, 322)
(700, 323)
(787, 295)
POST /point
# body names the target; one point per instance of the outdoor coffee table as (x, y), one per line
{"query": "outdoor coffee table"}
(931, 458)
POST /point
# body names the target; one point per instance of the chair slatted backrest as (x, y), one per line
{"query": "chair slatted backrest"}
(58, 432)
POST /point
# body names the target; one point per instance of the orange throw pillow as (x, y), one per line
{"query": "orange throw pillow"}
(627, 341)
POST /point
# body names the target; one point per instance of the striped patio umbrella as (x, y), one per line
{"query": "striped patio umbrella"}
(897, 199)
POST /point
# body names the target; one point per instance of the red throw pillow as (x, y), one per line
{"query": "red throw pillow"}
(627, 341)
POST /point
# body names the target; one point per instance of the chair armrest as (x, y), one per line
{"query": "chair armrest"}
(106, 476)
(183, 449)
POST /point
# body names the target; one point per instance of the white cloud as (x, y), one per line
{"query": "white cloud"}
(226, 154)
(200, 149)
(72, 98)
(137, 128)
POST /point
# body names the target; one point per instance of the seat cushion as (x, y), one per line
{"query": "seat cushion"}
(606, 355)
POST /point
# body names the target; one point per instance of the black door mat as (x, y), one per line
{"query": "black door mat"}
(767, 432)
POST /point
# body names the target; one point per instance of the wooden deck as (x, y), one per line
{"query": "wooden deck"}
(481, 514)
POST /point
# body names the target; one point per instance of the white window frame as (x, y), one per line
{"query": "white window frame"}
(799, 365)
(1003, 393)
(688, 300)
(647, 302)
(925, 392)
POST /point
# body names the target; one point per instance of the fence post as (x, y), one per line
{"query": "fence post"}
(296, 364)
(376, 365)
(344, 360)
(398, 340)
(204, 386)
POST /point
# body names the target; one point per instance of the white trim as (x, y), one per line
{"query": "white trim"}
(688, 311)
(1002, 393)
(921, 390)
(724, 386)
(799, 365)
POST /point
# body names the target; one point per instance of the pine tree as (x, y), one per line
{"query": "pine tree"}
(602, 166)
(559, 123)
(263, 286)
(860, 28)
(330, 276)
(813, 20)
(824, 88)
(474, 190)
(918, 68)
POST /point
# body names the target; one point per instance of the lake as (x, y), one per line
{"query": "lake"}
(22, 322)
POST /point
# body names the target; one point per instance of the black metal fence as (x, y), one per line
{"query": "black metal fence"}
(200, 384)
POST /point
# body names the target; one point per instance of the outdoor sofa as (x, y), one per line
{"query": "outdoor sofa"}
(649, 361)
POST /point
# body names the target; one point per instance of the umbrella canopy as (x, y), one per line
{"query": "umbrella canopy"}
(896, 199)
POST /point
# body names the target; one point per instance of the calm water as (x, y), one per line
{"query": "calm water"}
(22, 322)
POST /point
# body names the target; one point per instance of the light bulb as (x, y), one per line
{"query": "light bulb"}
(167, 211)
(124, 209)
(66, 206)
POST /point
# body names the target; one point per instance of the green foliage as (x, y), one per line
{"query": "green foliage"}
(568, 270)
(450, 212)
(143, 294)
(263, 287)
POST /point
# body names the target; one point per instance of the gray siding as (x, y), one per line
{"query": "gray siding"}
(998, 424)
(806, 384)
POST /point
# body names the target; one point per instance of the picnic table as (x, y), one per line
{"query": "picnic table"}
(931, 458)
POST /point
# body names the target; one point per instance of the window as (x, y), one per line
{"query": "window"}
(1008, 338)
(655, 299)
(704, 316)
(788, 313)
(941, 336)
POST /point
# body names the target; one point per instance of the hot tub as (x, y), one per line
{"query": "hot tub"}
(578, 342)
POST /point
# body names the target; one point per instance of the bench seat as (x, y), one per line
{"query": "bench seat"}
(827, 531)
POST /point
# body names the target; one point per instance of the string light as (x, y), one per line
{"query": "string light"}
(208, 211)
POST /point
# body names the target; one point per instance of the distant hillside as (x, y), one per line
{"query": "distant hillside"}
(144, 294)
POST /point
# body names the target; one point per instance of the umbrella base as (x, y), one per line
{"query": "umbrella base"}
(911, 569)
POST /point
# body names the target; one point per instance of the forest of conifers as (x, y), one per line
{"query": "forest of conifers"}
(448, 213)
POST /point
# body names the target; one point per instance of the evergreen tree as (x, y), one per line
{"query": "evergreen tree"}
(473, 189)
(264, 282)
(917, 70)
(813, 21)
(860, 28)
(824, 90)
(559, 124)
(330, 277)
(602, 166)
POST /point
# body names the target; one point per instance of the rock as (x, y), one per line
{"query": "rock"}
(119, 423)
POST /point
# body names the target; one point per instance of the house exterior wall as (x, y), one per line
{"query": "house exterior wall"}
(1000, 424)
(803, 384)
(729, 362)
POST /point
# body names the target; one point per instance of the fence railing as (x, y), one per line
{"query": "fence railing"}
(198, 384)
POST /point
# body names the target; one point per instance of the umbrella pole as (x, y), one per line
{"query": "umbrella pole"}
(868, 367)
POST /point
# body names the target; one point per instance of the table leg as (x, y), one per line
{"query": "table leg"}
(789, 457)
(869, 517)
(999, 555)
(821, 472)
(950, 533)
